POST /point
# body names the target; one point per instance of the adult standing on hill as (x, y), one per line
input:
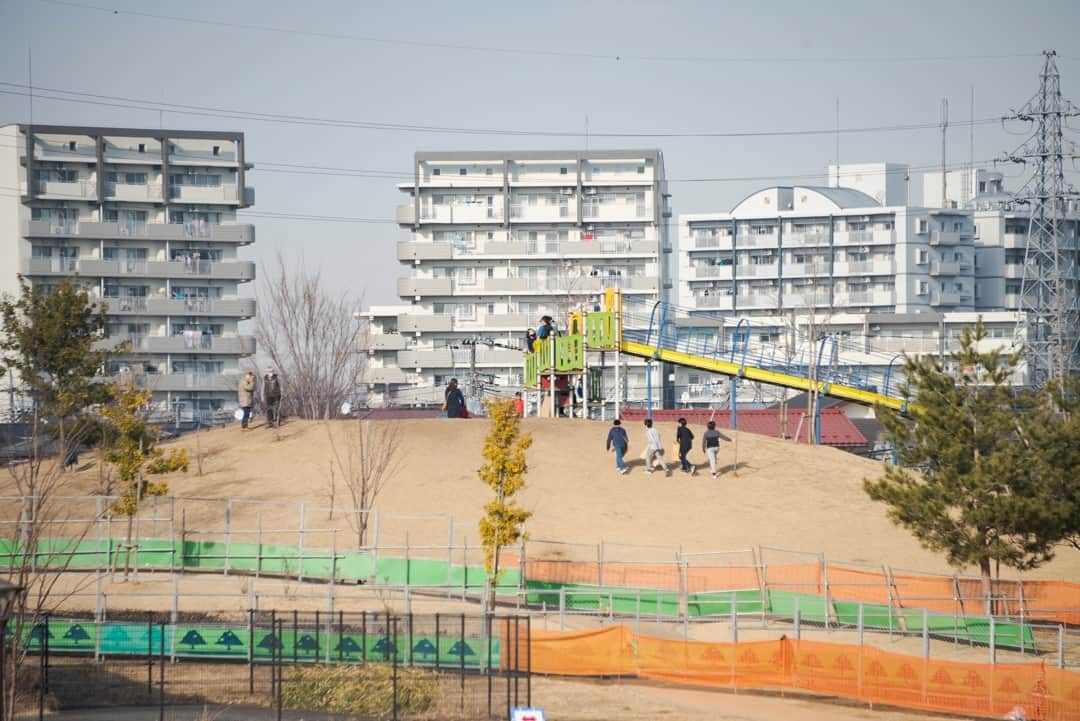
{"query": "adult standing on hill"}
(710, 443)
(455, 400)
(271, 388)
(685, 438)
(654, 448)
(617, 439)
(246, 396)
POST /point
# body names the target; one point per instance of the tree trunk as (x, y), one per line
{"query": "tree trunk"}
(987, 585)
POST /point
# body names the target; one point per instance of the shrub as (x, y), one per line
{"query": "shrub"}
(359, 689)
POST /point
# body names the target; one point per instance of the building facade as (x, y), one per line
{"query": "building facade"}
(498, 240)
(146, 218)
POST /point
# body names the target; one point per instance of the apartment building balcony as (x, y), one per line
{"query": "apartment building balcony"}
(416, 323)
(806, 300)
(240, 270)
(543, 213)
(942, 237)
(711, 272)
(500, 357)
(424, 286)
(805, 269)
(945, 267)
(864, 237)
(500, 248)
(614, 212)
(866, 297)
(1013, 271)
(83, 153)
(79, 190)
(241, 233)
(160, 306)
(636, 283)
(806, 239)
(945, 297)
(752, 270)
(1014, 240)
(148, 193)
(756, 301)
(385, 342)
(230, 345)
(384, 376)
(406, 214)
(714, 302)
(122, 156)
(1012, 300)
(607, 246)
(706, 242)
(224, 158)
(865, 267)
(508, 321)
(201, 194)
(457, 214)
(438, 358)
(754, 240)
(191, 381)
(409, 251)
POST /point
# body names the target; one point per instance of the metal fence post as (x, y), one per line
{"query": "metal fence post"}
(798, 620)
(993, 641)
(303, 533)
(925, 633)
(562, 608)
(161, 675)
(393, 625)
(228, 533)
(251, 652)
(860, 623)
(1061, 645)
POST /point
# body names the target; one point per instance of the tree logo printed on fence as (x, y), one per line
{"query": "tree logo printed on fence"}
(942, 676)
(228, 640)
(307, 644)
(40, 633)
(909, 674)
(712, 653)
(843, 664)
(877, 670)
(1009, 686)
(424, 647)
(973, 680)
(385, 646)
(347, 646)
(748, 657)
(77, 633)
(460, 648)
(192, 639)
(811, 661)
(270, 642)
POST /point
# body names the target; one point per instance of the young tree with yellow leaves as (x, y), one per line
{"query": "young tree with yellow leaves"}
(132, 451)
(504, 472)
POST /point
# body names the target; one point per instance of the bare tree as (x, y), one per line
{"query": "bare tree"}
(366, 456)
(312, 335)
(43, 537)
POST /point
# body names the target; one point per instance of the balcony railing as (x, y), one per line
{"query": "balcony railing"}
(718, 302)
(755, 240)
(945, 267)
(232, 232)
(807, 238)
(80, 189)
(203, 194)
(753, 270)
(184, 343)
(704, 272)
(941, 237)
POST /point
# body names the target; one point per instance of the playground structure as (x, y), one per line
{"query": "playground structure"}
(564, 373)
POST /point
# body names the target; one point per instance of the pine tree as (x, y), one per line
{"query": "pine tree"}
(1054, 437)
(47, 339)
(504, 472)
(967, 484)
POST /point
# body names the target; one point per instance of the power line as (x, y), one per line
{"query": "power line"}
(538, 52)
(206, 111)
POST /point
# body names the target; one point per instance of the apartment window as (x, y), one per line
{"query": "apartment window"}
(437, 171)
(490, 272)
(489, 171)
(491, 309)
(142, 147)
(463, 171)
(490, 236)
(641, 170)
(982, 186)
(126, 178)
(562, 170)
(217, 150)
(922, 257)
(72, 145)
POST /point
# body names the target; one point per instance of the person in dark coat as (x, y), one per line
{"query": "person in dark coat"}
(271, 387)
(685, 438)
(455, 400)
(618, 440)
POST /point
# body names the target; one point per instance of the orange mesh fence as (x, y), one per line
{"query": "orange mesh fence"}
(1053, 600)
(858, 584)
(1057, 601)
(795, 578)
(856, 672)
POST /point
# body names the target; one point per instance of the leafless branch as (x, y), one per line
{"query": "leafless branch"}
(366, 456)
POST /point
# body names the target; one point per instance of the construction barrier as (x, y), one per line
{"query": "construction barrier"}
(861, 673)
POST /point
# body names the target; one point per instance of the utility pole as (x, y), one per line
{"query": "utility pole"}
(1050, 318)
(944, 131)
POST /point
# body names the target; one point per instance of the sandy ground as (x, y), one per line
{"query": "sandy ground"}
(783, 495)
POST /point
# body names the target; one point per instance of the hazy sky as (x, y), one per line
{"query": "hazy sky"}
(541, 67)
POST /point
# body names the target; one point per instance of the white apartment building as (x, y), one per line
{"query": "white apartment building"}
(828, 249)
(146, 218)
(500, 239)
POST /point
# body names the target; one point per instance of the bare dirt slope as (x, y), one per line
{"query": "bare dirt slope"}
(784, 495)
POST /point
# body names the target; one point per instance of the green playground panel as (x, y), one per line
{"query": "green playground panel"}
(600, 330)
(532, 364)
(721, 603)
(812, 607)
(569, 353)
(604, 598)
(874, 616)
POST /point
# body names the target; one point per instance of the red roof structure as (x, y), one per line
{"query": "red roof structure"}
(836, 428)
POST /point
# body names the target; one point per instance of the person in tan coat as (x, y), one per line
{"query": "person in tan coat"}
(246, 395)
